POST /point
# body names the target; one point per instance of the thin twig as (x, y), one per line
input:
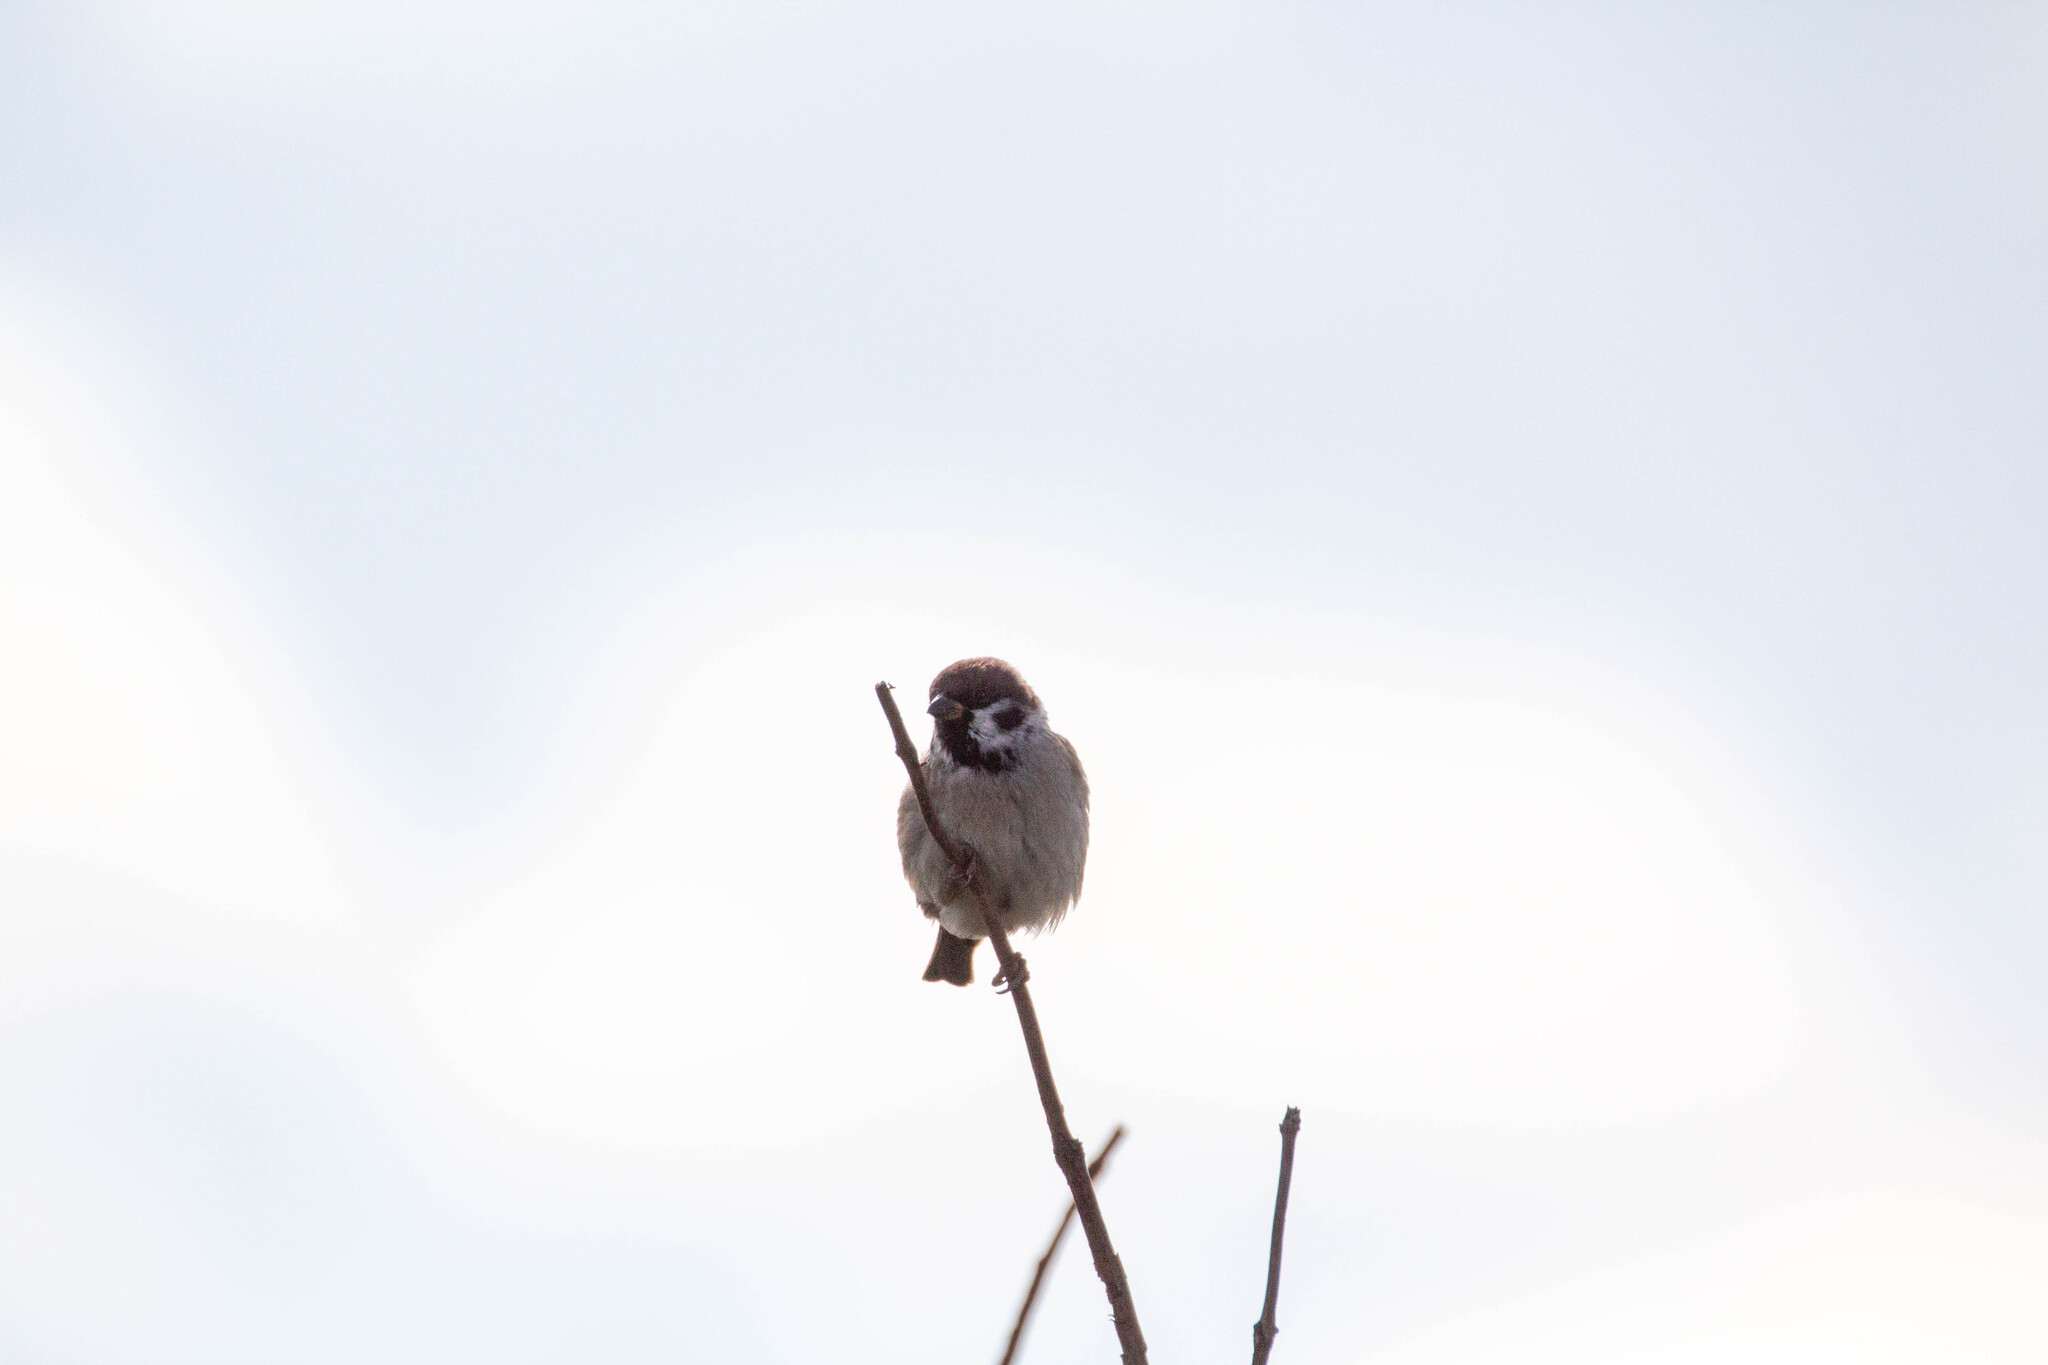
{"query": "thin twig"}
(1066, 1149)
(1265, 1329)
(1045, 1261)
(907, 751)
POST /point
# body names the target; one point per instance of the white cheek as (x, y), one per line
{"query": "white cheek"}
(993, 737)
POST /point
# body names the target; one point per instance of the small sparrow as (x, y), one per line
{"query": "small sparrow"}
(1013, 792)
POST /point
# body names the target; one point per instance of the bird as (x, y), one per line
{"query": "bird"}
(1010, 790)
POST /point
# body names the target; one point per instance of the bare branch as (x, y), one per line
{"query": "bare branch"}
(1045, 1261)
(907, 751)
(1066, 1149)
(1265, 1329)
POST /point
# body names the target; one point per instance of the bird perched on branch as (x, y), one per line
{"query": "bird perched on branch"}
(1010, 790)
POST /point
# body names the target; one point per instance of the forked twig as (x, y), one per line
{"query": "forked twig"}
(1265, 1329)
(1045, 1261)
(1066, 1149)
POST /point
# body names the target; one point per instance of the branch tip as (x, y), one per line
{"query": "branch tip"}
(1266, 1328)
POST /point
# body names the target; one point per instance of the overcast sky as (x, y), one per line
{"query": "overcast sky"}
(1531, 514)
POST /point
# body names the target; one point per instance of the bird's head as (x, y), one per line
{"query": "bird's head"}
(982, 712)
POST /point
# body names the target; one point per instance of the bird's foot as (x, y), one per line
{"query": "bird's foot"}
(1004, 983)
(963, 875)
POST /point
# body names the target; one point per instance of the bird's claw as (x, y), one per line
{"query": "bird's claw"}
(1003, 982)
(963, 874)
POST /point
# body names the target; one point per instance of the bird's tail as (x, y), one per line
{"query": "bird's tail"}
(952, 960)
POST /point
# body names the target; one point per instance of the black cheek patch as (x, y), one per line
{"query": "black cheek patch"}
(1009, 718)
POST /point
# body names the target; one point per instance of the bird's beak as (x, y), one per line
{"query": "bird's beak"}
(944, 708)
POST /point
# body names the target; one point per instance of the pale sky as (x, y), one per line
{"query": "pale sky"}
(1531, 515)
